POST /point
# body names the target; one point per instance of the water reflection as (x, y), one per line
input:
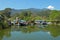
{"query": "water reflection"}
(54, 29)
(25, 29)
(37, 32)
(5, 32)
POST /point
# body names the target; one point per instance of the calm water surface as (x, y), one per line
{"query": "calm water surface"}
(37, 32)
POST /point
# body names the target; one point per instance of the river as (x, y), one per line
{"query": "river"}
(36, 32)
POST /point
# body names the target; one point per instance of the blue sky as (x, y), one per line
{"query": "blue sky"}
(24, 4)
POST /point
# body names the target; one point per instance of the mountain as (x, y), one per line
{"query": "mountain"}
(40, 12)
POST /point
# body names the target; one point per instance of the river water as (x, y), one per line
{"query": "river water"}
(36, 32)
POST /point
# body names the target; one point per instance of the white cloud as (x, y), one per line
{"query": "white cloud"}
(50, 7)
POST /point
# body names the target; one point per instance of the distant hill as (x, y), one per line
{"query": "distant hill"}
(40, 12)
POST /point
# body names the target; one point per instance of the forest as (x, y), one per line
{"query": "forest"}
(28, 15)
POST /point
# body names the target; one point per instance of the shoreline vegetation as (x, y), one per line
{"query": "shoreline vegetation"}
(6, 16)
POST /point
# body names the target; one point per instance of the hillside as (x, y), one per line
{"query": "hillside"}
(40, 12)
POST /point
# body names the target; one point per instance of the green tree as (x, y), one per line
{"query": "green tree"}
(55, 15)
(7, 12)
